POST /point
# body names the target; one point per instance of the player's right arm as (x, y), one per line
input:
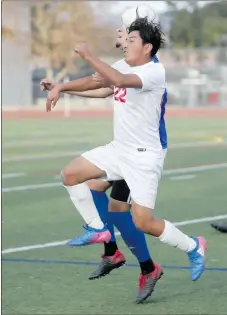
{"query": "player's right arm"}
(98, 93)
(48, 85)
(79, 85)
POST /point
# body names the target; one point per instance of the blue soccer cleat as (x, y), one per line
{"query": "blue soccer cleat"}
(197, 258)
(91, 236)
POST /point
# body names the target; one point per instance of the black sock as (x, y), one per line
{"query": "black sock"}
(110, 248)
(147, 266)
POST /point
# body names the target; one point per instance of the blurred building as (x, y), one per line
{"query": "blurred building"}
(16, 75)
(196, 77)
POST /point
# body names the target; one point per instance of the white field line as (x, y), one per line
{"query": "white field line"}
(166, 172)
(34, 143)
(67, 140)
(53, 244)
(183, 177)
(64, 133)
(55, 155)
(45, 143)
(45, 156)
(216, 141)
(31, 187)
(200, 168)
(13, 175)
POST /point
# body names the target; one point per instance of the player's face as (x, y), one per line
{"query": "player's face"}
(135, 52)
(121, 37)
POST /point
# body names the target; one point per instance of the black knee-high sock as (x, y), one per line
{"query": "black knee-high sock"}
(147, 266)
(110, 248)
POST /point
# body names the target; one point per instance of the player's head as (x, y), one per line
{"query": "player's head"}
(143, 42)
(121, 37)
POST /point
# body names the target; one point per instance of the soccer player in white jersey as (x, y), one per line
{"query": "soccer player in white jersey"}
(119, 201)
(135, 154)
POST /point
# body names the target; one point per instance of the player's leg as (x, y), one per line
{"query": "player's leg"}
(134, 239)
(98, 189)
(167, 233)
(94, 200)
(143, 185)
(86, 167)
(112, 258)
(119, 215)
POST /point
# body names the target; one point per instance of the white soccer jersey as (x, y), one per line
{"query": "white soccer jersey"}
(137, 111)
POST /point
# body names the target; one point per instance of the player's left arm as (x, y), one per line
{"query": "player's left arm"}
(113, 76)
(146, 79)
(152, 76)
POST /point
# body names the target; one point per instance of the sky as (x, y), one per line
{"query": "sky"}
(116, 8)
(158, 6)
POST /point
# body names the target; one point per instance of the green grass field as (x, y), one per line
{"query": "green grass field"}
(54, 279)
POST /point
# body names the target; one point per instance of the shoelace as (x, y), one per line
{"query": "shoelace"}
(193, 258)
(86, 227)
(142, 281)
(103, 256)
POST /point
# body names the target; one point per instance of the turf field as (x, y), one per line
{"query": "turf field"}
(51, 278)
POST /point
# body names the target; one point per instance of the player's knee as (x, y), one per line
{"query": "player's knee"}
(143, 218)
(118, 206)
(139, 222)
(74, 172)
(69, 177)
(143, 224)
(98, 185)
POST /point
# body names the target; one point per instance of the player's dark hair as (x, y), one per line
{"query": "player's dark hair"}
(150, 33)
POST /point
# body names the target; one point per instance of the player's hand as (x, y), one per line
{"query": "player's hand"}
(120, 32)
(100, 79)
(52, 98)
(122, 35)
(83, 50)
(47, 85)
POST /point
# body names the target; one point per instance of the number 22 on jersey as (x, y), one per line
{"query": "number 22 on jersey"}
(120, 95)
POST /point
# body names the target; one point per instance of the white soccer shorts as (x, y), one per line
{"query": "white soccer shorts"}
(141, 170)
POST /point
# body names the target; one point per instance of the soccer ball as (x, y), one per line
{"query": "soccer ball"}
(140, 11)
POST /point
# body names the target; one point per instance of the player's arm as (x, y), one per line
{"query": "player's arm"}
(98, 93)
(79, 85)
(114, 76)
(48, 85)
(145, 79)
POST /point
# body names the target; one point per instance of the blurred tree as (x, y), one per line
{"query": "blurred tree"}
(195, 26)
(7, 32)
(56, 28)
(11, 26)
(180, 32)
(171, 4)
